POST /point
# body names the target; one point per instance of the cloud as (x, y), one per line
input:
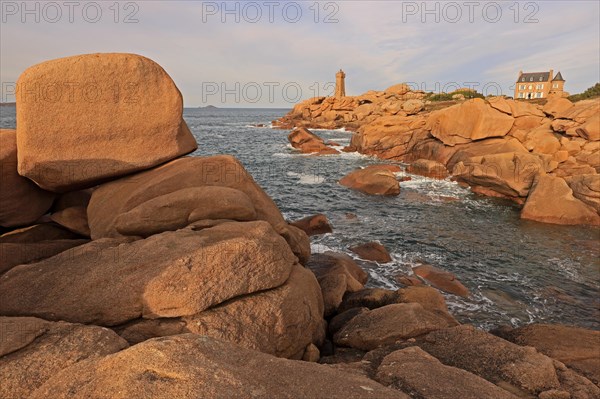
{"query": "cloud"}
(378, 43)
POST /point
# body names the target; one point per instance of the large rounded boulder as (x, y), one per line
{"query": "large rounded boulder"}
(87, 118)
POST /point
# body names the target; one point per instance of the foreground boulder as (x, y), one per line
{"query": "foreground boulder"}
(22, 202)
(191, 366)
(551, 201)
(337, 274)
(167, 275)
(34, 350)
(308, 142)
(421, 375)
(284, 322)
(203, 188)
(122, 114)
(576, 347)
(388, 324)
(374, 181)
(586, 188)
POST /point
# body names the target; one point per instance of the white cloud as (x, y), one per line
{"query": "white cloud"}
(377, 44)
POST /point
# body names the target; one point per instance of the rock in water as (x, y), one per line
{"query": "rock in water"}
(87, 118)
(314, 225)
(191, 366)
(21, 201)
(373, 251)
(374, 181)
(441, 279)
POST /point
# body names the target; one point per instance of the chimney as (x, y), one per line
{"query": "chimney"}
(551, 75)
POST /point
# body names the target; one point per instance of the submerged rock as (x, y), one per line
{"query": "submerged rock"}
(441, 279)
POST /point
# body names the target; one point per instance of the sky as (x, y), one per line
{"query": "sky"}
(276, 53)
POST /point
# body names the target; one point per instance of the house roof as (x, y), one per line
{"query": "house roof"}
(535, 77)
(558, 77)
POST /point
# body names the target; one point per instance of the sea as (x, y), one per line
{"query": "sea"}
(518, 271)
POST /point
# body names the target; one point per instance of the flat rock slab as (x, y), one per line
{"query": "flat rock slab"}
(182, 273)
(388, 324)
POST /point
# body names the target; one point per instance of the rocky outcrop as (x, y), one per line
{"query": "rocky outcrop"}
(313, 225)
(586, 188)
(428, 168)
(172, 367)
(34, 350)
(499, 145)
(471, 120)
(308, 142)
(373, 251)
(508, 174)
(82, 135)
(551, 201)
(22, 202)
(374, 181)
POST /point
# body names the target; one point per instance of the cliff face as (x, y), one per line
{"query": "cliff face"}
(499, 147)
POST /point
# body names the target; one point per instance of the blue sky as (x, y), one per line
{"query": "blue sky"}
(276, 60)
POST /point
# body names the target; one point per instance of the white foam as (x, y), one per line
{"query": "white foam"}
(307, 178)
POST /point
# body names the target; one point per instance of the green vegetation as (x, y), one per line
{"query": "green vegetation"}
(592, 92)
(448, 96)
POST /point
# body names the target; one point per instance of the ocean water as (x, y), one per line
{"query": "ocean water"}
(518, 271)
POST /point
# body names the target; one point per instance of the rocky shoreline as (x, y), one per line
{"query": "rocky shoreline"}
(544, 157)
(130, 270)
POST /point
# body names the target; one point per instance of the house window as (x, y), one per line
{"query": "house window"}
(521, 87)
(542, 86)
(539, 95)
(540, 78)
(555, 85)
(530, 87)
(522, 79)
(520, 95)
(531, 79)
